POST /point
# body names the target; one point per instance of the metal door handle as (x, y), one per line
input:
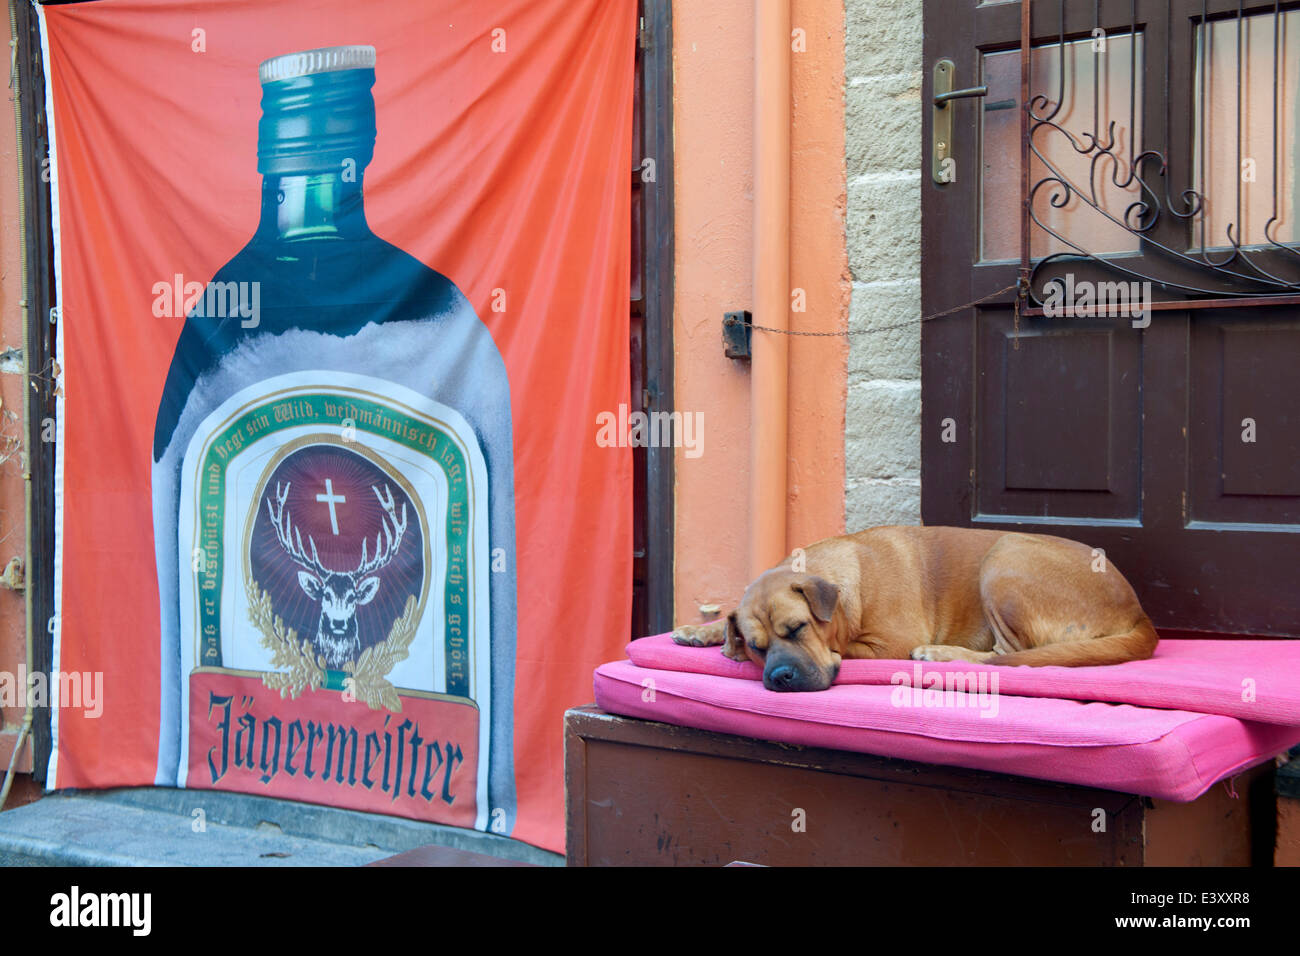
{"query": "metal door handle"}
(943, 168)
(943, 98)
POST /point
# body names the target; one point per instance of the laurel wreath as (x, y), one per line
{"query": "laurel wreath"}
(297, 669)
(369, 673)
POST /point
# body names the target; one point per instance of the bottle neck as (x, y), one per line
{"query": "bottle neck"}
(308, 206)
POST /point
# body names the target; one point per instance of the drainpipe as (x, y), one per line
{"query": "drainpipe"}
(770, 369)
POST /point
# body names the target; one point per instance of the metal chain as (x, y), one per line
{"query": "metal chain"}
(883, 328)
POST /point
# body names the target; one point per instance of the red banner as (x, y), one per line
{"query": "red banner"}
(343, 291)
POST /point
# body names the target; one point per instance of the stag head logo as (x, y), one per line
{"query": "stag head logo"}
(339, 593)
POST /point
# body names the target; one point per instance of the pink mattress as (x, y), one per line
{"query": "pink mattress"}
(1048, 723)
(1253, 680)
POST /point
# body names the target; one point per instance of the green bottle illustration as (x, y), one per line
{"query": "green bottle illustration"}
(333, 489)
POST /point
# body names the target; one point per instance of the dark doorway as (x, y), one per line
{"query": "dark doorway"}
(652, 317)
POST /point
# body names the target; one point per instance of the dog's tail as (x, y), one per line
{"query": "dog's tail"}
(1137, 644)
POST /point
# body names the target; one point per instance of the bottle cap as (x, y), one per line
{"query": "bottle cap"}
(325, 60)
(318, 114)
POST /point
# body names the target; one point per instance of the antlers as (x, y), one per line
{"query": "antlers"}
(385, 550)
(387, 541)
(287, 533)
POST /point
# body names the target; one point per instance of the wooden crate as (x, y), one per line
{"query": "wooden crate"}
(644, 793)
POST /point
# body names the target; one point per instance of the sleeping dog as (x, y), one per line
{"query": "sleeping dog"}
(931, 594)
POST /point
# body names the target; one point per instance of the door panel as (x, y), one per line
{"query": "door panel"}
(1173, 447)
(1244, 409)
(1058, 420)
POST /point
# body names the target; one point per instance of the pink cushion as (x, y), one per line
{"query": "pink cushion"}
(1170, 754)
(1253, 680)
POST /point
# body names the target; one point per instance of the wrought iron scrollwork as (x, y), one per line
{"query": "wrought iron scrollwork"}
(1236, 272)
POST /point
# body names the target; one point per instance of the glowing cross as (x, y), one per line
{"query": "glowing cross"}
(331, 499)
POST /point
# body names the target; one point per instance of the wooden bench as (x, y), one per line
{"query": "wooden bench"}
(644, 793)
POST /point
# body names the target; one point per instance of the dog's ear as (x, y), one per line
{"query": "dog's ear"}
(821, 596)
(734, 644)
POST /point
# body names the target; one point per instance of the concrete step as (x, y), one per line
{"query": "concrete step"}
(160, 827)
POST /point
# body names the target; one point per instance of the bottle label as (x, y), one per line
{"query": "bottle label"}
(334, 599)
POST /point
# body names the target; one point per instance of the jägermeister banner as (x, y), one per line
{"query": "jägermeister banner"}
(342, 289)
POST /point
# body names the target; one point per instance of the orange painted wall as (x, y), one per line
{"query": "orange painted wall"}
(13, 619)
(713, 107)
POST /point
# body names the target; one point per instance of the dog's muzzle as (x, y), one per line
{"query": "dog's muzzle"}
(786, 675)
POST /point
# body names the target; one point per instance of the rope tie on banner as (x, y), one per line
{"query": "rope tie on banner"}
(887, 328)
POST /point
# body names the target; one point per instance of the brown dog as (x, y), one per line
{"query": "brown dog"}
(932, 594)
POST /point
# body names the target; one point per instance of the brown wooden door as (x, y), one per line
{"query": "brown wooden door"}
(1174, 447)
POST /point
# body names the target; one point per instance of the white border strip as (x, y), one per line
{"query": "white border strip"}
(52, 775)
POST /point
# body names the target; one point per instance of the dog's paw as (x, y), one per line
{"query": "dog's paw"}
(701, 635)
(688, 635)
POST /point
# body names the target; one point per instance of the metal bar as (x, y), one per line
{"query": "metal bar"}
(1025, 40)
(1169, 128)
(1132, 88)
(1096, 75)
(1185, 305)
(1276, 74)
(1204, 68)
(1240, 59)
(1168, 131)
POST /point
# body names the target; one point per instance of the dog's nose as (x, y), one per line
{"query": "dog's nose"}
(783, 677)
